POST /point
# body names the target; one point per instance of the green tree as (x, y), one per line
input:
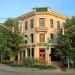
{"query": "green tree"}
(10, 38)
(66, 42)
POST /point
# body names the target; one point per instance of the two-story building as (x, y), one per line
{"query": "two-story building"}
(40, 27)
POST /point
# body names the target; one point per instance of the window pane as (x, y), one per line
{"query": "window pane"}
(51, 23)
(32, 39)
(58, 25)
(26, 25)
(41, 22)
(28, 52)
(63, 25)
(32, 52)
(32, 22)
(42, 37)
(20, 26)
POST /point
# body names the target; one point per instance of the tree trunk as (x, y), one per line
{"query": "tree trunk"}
(1, 57)
(68, 63)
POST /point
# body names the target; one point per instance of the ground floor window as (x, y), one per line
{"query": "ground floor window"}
(28, 52)
(33, 52)
(24, 54)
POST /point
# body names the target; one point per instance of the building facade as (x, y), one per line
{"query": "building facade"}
(39, 27)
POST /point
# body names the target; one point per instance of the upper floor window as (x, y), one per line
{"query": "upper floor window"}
(58, 25)
(51, 23)
(32, 23)
(20, 25)
(42, 37)
(63, 25)
(26, 25)
(32, 38)
(41, 22)
(26, 39)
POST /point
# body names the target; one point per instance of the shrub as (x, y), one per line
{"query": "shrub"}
(30, 62)
(7, 62)
(17, 65)
(27, 62)
(44, 66)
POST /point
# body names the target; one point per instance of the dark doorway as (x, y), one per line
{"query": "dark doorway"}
(53, 55)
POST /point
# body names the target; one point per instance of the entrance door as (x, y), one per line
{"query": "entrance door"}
(42, 54)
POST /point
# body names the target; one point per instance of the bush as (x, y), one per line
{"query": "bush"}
(27, 62)
(44, 67)
(33, 63)
(11, 63)
(7, 62)
(30, 62)
(17, 65)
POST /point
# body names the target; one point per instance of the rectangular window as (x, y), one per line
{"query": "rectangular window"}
(42, 37)
(51, 23)
(41, 22)
(32, 39)
(63, 25)
(32, 23)
(26, 25)
(20, 26)
(58, 25)
(32, 52)
(28, 52)
(25, 38)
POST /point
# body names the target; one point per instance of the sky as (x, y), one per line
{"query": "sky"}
(14, 8)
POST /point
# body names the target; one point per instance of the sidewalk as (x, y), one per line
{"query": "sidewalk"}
(6, 67)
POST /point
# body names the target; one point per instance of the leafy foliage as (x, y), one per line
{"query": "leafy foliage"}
(66, 42)
(10, 37)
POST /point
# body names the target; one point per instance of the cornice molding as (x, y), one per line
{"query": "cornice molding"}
(32, 13)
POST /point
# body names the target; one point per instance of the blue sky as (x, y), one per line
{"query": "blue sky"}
(14, 8)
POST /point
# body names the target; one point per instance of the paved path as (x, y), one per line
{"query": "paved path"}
(6, 67)
(6, 70)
